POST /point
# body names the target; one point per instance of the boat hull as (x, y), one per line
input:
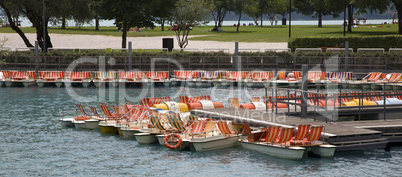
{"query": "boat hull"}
(108, 127)
(324, 150)
(145, 138)
(79, 124)
(92, 124)
(295, 153)
(213, 143)
(128, 133)
(67, 122)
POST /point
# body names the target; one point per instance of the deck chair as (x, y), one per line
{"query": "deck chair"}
(81, 109)
(315, 133)
(95, 112)
(285, 135)
(234, 102)
(395, 77)
(156, 123)
(255, 99)
(176, 122)
(271, 134)
(281, 75)
(209, 127)
(106, 111)
(302, 132)
(224, 128)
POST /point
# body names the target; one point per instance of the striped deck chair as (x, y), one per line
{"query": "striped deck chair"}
(302, 132)
(224, 128)
(197, 127)
(234, 102)
(195, 99)
(94, 112)
(399, 95)
(156, 122)
(147, 102)
(193, 117)
(395, 77)
(373, 76)
(106, 111)
(176, 122)
(297, 75)
(6, 74)
(315, 133)
(183, 99)
(271, 135)
(119, 113)
(255, 99)
(138, 113)
(205, 97)
(281, 75)
(209, 127)
(81, 109)
(157, 100)
(285, 135)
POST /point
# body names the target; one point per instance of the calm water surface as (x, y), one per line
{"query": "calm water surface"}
(35, 143)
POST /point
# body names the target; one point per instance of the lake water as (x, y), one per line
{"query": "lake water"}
(35, 143)
(26, 23)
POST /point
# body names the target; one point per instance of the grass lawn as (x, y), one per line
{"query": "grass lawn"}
(229, 34)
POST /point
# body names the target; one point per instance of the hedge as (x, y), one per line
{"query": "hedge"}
(385, 42)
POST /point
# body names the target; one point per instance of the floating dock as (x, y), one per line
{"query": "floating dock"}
(347, 136)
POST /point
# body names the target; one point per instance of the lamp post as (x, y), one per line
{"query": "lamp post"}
(344, 20)
(290, 18)
(44, 28)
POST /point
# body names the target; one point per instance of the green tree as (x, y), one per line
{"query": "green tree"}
(163, 11)
(33, 10)
(238, 7)
(186, 14)
(221, 8)
(128, 13)
(398, 7)
(318, 8)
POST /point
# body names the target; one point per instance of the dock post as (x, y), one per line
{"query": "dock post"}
(130, 56)
(236, 59)
(346, 55)
(304, 91)
(36, 56)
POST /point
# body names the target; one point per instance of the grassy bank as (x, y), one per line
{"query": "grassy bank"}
(229, 34)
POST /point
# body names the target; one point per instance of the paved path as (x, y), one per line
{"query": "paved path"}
(97, 41)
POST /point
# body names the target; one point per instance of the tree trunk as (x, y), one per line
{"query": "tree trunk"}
(163, 24)
(238, 23)
(319, 19)
(63, 22)
(350, 18)
(124, 35)
(12, 25)
(399, 17)
(96, 23)
(261, 19)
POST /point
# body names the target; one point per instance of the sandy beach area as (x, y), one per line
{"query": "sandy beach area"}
(97, 41)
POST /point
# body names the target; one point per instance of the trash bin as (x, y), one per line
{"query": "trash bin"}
(167, 43)
(283, 21)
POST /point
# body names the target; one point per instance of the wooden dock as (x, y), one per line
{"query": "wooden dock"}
(347, 136)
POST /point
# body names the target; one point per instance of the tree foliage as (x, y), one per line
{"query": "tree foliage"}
(318, 8)
(128, 13)
(186, 14)
(221, 8)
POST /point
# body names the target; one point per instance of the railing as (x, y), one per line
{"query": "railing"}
(334, 110)
(358, 65)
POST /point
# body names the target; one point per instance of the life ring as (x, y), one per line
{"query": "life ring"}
(178, 144)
